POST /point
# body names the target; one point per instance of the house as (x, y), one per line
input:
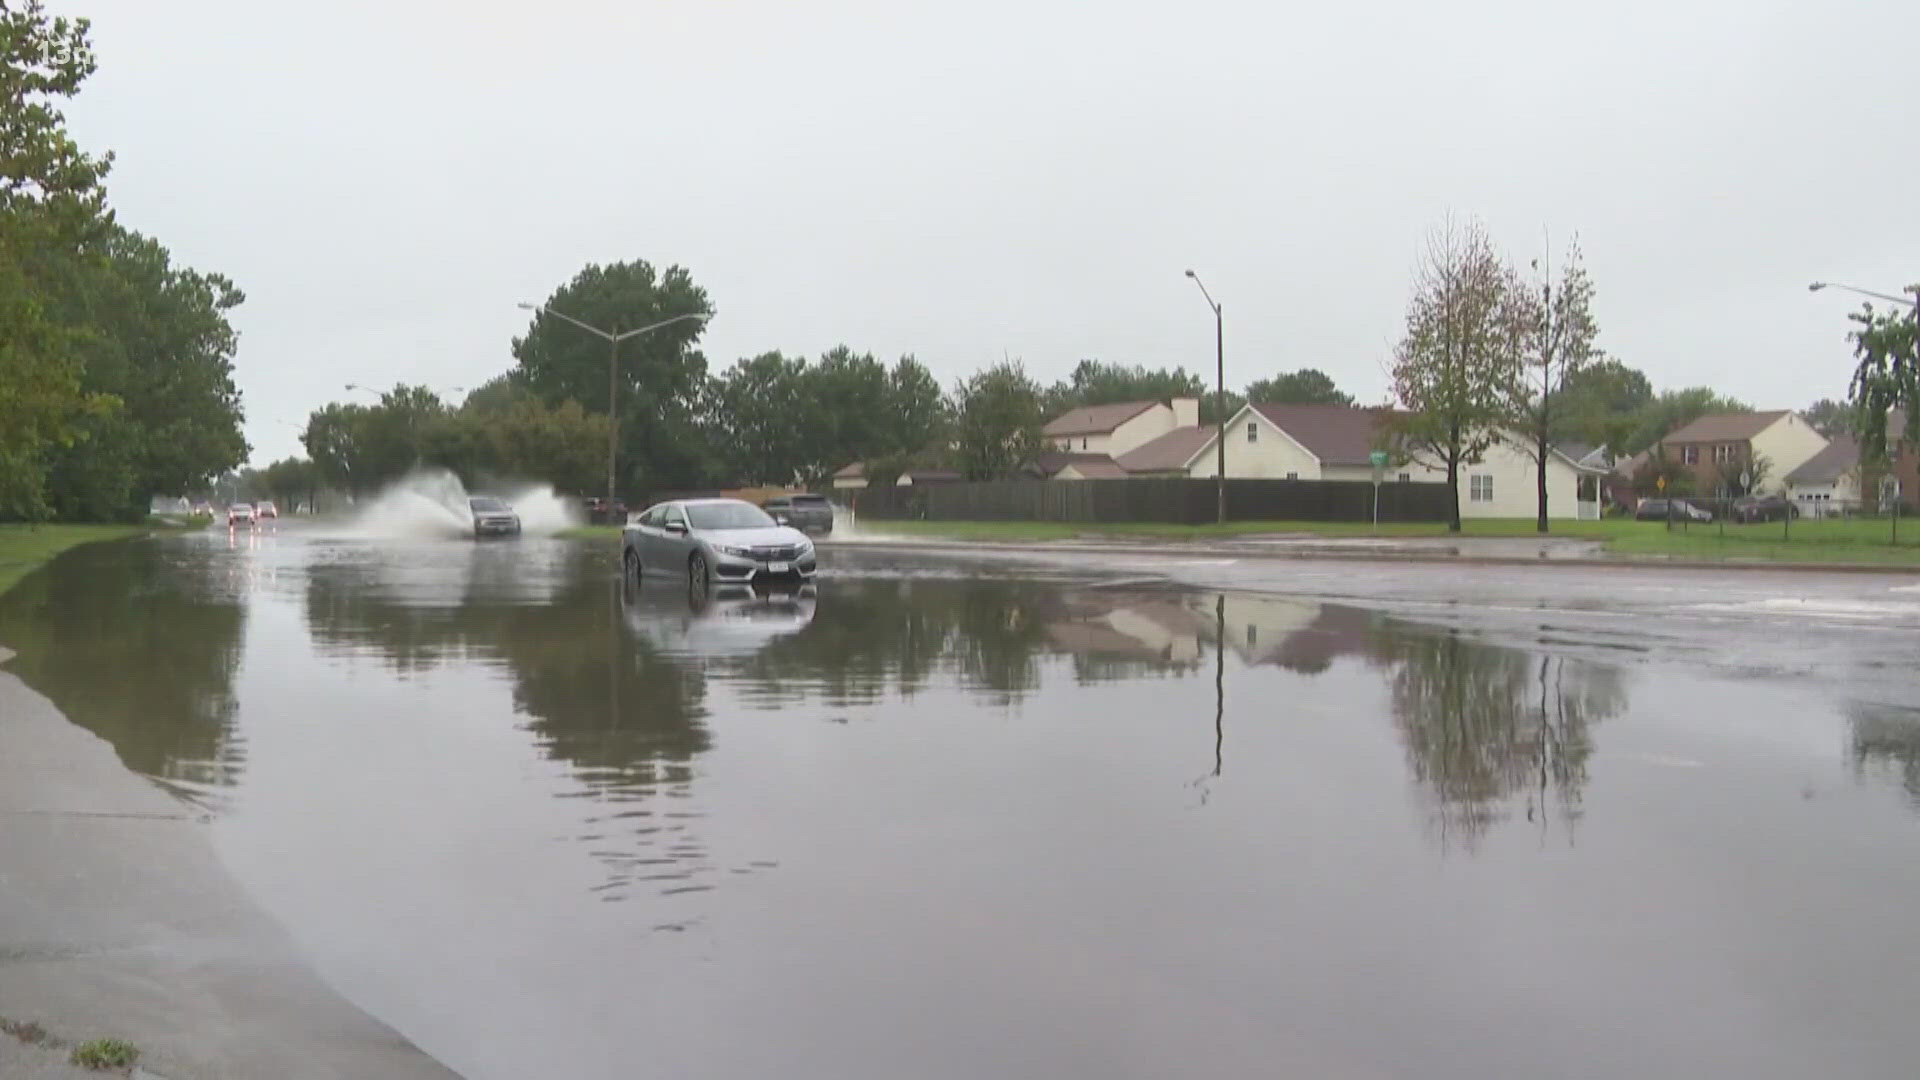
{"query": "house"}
(910, 477)
(1115, 429)
(1060, 465)
(1713, 446)
(1173, 454)
(1904, 458)
(851, 477)
(1828, 483)
(1336, 442)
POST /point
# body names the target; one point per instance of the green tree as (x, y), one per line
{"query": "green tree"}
(1560, 332)
(1886, 375)
(291, 482)
(998, 416)
(156, 337)
(1659, 466)
(916, 419)
(51, 201)
(1455, 368)
(1830, 417)
(660, 377)
(1602, 403)
(1740, 477)
(1308, 386)
(1096, 383)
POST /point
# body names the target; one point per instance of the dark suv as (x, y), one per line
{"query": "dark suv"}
(808, 513)
(1763, 508)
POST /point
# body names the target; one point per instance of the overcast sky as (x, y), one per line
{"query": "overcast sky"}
(386, 179)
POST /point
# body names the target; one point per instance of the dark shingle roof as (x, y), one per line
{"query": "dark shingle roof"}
(1725, 427)
(1168, 452)
(1336, 434)
(1841, 454)
(1095, 419)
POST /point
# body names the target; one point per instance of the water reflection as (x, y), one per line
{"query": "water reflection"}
(138, 645)
(1485, 727)
(1886, 739)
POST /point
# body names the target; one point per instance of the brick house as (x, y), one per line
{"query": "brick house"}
(1904, 456)
(1711, 443)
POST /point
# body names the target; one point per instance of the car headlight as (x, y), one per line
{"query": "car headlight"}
(728, 549)
(806, 546)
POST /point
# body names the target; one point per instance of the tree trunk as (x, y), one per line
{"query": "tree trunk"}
(1453, 490)
(1540, 475)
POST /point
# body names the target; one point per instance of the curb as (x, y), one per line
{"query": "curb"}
(1333, 554)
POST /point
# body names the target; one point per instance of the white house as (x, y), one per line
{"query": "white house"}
(1115, 429)
(1828, 484)
(1336, 442)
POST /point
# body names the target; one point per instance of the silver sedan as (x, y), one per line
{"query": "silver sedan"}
(710, 540)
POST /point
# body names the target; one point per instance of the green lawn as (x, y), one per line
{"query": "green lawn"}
(24, 547)
(1830, 541)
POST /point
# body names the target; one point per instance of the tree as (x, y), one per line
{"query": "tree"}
(1886, 375)
(1647, 477)
(1830, 417)
(1455, 369)
(50, 202)
(1676, 408)
(756, 410)
(1739, 478)
(1602, 403)
(1308, 386)
(998, 417)
(1096, 383)
(916, 419)
(1560, 332)
(155, 336)
(660, 377)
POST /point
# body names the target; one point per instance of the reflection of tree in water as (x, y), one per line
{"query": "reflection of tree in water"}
(627, 721)
(1486, 727)
(139, 646)
(1886, 739)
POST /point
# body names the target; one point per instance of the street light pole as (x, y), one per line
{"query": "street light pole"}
(613, 339)
(1219, 400)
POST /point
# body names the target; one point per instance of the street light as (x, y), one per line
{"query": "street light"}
(613, 339)
(365, 390)
(1220, 400)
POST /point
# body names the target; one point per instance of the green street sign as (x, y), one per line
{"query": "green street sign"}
(1379, 459)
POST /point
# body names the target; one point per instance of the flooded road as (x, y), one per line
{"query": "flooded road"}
(932, 820)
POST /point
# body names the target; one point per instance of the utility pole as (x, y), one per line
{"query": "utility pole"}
(1220, 402)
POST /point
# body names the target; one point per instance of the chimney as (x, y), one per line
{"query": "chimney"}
(1186, 411)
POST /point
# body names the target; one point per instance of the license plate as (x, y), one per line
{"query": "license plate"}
(776, 568)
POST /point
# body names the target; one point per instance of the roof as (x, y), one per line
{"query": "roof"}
(1169, 452)
(1725, 427)
(1049, 462)
(1096, 419)
(1336, 434)
(1831, 463)
(917, 475)
(851, 472)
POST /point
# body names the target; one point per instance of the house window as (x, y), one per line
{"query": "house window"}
(1690, 455)
(1083, 442)
(1293, 476)
(1406, 477)
(1480, 487)
(1253, 635)
(1724, 453)
(1253, 431)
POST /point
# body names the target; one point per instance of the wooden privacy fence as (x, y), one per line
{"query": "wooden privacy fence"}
(1168, 500)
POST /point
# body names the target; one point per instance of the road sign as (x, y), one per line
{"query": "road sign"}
(1746, 480)
(1378, 458)
(1660, 483)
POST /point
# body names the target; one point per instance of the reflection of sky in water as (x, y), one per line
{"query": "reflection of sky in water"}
(536, 820)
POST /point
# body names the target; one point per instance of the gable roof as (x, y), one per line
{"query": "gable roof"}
(1174, 450)
(1336, 434)
(851, 472)
(1725, 427)
(1840, 454)
(1095, 419)
(1048, 463)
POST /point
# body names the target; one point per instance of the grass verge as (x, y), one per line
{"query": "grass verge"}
(101, 1055)
(24, 547)
(1860, 541)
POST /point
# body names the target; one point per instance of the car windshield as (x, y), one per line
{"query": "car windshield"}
(240, 506)
(486, 504)
(809, 500)
(727, 515)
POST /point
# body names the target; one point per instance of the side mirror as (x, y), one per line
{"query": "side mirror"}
(677, 527)
(779, 519)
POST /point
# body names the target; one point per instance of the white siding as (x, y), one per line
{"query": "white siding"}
(1139, 431)
(1787, 444)
(1512, 473)
(1271, 456)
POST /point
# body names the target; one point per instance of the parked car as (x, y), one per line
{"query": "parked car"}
(1755, 508)
(597, 513)
(491, 517)
(266, 509)
(808, 513)
(240, 514)
(1681, 510)
(711, 540)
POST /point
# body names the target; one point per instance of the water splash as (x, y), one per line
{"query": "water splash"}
(432, 503)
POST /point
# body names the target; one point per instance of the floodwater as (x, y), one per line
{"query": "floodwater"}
(942, 821)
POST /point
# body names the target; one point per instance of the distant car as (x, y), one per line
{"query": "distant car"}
(1755, 508)
(491, 517)
(265, 510)
(1681, 510)
(808, 513)
(201, 509)
(714, 540)
(240, 514)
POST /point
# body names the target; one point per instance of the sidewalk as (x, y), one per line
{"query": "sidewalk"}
(116, 921)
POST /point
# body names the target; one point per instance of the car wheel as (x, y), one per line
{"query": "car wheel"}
(633, 566)
(697, 574)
